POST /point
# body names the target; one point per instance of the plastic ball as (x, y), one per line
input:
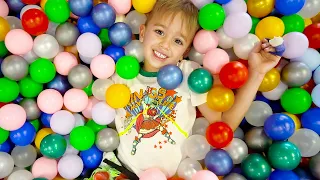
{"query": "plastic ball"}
(143, 6)
(260, 9)
(284, 156)
(220, 98)
(296, 100)
(200, 81)
(82, 138)
(233, 75)
(293, 23)
(127, 67)
(289, 7)
(87, 25)
(120, 34)
(57, 10)
(255, 166)
(219, 162)
(24, 135)
(114, 52)
(53, 146)
(270, 27)
(270, 81)
(103, 15)
(279, 127)
(35, 22)
(311, 120)
(118, 95)
(219, 134)
(209, 12)
(81, 7)
(9, 90)
(170, 77)
(92, 157)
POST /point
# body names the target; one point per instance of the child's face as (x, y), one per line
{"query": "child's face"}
(164, 41)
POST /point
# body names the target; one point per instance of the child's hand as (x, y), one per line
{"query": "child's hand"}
(260, 58)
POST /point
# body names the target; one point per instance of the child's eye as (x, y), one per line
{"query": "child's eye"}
(159, 32)
(178, 41)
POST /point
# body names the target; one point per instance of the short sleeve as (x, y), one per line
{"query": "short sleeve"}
(187, 67)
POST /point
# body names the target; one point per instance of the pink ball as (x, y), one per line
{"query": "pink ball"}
(45, 168)
(12, 117)
(215, 59)
(205, 41)
(87, 112)
(152, 173)
(50, 101)
(102, 66)
(64, 62)
(75, 100)
(18, 42)
(204, 175)
(121, 7)
(4, 9)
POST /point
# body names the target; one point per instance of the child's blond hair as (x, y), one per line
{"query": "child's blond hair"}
(171, 8)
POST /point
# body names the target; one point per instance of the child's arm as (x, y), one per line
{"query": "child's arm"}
(260, 62)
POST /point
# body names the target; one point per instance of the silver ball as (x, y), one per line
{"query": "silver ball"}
(296, 74)
(315, 166)
(257, 140)
(31, 108)
(234, 176)
(107, 140)
(80, 76)
(67, 34)
(14, 67)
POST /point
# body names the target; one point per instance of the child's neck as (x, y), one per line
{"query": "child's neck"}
(146, 67)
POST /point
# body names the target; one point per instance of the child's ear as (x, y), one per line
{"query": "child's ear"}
(185, 55)
(142, 32)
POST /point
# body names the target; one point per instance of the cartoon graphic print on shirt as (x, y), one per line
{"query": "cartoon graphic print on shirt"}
(148, 113)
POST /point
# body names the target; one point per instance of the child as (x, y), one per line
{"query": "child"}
(153, 126)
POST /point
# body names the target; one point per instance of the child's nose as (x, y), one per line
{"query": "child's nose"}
(165, 43)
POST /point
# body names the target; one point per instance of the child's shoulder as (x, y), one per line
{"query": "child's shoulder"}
(188, 66)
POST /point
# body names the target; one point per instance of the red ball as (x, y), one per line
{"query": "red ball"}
(31, 1)
(234, 75)
(244, 62)
(313, 34)
(35, 22)
(219, 134)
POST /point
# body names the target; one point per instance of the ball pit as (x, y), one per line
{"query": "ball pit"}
(58, 102)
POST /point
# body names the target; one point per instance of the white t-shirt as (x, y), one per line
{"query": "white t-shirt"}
(154, 125)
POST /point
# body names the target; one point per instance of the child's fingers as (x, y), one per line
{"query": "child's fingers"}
(269, 49)
(265, 45)
(265, 41)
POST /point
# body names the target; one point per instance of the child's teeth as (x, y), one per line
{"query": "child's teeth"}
(159, 55)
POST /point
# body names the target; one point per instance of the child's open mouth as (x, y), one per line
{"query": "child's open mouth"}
(159, 55)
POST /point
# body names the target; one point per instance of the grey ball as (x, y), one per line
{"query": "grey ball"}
(14, 67)
(80, 76)
(234, 176)
(256, 139)
(67, 34)
(315, 166)
(296, 74)
(107, 140)
(31, 108)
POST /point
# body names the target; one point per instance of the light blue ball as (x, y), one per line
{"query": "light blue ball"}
(120, 34)
(170, 77)
(103, 15)
(81, 7)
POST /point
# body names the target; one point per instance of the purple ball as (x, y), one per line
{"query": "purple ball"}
(219, 162)
(120, 34)
(103, 15)
(59, 83)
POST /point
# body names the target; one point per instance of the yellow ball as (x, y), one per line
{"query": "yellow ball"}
(4, 28)
(270, 27)
(118, 96)
(220, 98)
(295, 119)
(260, 8)
(42, 134)
(307, 22)
(143, 6)
(270, 81)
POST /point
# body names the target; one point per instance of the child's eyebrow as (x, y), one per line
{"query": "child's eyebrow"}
(164, 26)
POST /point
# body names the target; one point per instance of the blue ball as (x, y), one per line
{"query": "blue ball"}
(103, 15)
(170, 77)
(120, 34)
(289, 7)
(276, 107)
(222, 1)
(303, 174)
(279, 127)
(18, 99)
(281, 175)
(219, 162)
(59, 83)
(81, 7)
(92, 157)
(15, 5)
(24, 135)
(1, 75)
(45, 119)
(260, 97)
(114, 52)
(86, 24)
(7, 146)
(311, 120)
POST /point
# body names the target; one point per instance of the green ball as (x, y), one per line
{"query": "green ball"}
(36, 124)
(284, 156)
(4, 134)
(293, 23)
(42, 70)
(82, 138)
(88, 89)
(53, 146)
(29, 88)
(128, 67)
(255, 22)
(57, 10)
(3, 49)
(255, 166)
(211, 16)
(94, 126)
(200, 81)
(296, 100)
(40, 179)
(9, 90)
(104, 37)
